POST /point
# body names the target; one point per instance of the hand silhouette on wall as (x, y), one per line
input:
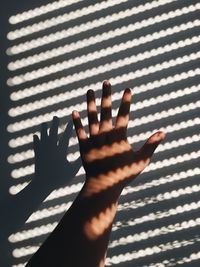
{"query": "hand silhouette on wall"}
(52, 170)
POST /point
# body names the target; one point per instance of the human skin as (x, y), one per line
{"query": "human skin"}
(110, 163)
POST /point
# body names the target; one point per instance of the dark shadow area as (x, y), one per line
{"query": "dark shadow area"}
(52, 171)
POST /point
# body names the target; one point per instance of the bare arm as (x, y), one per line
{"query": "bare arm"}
(82, 236)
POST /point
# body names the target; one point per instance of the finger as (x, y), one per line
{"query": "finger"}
(43, 132)
(36, 143)
(81, 134)
(64, 139)
(106, 103)
(92, 113)
(146, 152)
(53, 132)
(124, 109)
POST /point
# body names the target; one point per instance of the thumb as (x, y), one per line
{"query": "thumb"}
(151, 144)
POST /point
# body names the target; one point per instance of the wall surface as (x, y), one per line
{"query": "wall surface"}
(50, 56)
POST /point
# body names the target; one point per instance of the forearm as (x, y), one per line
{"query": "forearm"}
(81, 238)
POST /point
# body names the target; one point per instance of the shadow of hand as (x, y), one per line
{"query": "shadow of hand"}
(51, 165)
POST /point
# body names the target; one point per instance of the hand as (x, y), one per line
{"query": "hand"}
(81, 238)
(107, 156)
(51, 166)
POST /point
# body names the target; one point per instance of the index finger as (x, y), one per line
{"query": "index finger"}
(81, 134)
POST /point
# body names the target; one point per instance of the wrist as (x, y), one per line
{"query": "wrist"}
(103, 184)
(98, 209)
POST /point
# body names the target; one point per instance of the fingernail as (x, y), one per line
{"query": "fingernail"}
(75, 114)
(128, 90)
(106, 83)
(161, 134)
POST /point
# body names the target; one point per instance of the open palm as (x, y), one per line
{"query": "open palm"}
(107, 156)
